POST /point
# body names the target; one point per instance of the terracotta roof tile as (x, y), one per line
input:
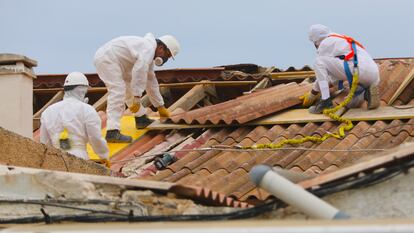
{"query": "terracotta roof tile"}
(274, 132)
(390, 81)
(189, 157)
(248, 107)
(327, 158)
(208, 176)
(197, 142)
(178, 175)
(221, 135)
(200, 160)
(243, 190)
(232, 181)
(331, 168)
(325, 127)
(385, 135)
(142, 145)
(308, 159)
(258, 132)
(256, 195)
(290, 132)
(313, 170)
(409, 139)
(195, 178)
(215, 178)
(253, 136)
(207, 196)
(239, 134)
(257, 158)
(409, 127)
(362, 143)
(400, 138)
(161, 175)
(395, 127)
(219, 162)
(309, 129)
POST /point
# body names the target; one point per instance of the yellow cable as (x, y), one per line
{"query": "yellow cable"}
(318, 139)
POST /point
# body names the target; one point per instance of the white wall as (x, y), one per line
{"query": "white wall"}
(16, 98)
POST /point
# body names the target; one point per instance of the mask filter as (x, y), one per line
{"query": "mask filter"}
(159, 61)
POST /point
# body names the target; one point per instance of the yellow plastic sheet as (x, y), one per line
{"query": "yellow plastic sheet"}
(127, 128)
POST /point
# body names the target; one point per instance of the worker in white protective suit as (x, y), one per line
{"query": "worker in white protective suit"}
(126, 66)
(71, 123)
(334, 65)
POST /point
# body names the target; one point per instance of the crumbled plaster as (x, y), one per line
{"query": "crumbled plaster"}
(64, 188)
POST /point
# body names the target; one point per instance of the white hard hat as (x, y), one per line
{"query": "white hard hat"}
(171, 43)
(318, 32)
(75, 79)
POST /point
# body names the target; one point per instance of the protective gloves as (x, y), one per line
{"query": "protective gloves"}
(136, 104)
(309, 99)
(320, 106)
(107, 163)
(163, 112)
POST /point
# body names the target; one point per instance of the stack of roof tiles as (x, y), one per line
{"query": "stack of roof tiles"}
(246, 108)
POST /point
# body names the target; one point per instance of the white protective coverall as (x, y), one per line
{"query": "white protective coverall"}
(125, 65)
(330, 69)
(81, 121)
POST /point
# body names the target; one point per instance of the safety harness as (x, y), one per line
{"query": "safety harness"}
(351, 55)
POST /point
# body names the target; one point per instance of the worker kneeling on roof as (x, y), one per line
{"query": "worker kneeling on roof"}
(71, 123)
(335, 55)
(126, 66)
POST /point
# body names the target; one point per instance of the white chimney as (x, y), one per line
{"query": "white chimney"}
(16, 93)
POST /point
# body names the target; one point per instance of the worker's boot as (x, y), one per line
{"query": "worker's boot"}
(115, 136)
(320, 106)
(358, 98)
(372, 97)
(142, 122)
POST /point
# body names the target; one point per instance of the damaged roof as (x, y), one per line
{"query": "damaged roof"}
(220, 174)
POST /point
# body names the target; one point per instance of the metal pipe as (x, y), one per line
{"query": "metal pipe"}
(269, 180)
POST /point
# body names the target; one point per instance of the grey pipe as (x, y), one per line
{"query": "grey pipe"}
(269, 180)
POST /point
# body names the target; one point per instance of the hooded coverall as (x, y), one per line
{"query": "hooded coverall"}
(330, 69)
(125, 65)
(81, 121)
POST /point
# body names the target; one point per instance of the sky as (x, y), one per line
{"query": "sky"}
(64, 35)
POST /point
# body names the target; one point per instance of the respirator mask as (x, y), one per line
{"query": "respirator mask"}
(159, 61)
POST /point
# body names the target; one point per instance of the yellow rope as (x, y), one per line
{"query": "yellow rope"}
(318, 139)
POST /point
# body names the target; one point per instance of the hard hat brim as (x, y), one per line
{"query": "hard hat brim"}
(172, 55)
